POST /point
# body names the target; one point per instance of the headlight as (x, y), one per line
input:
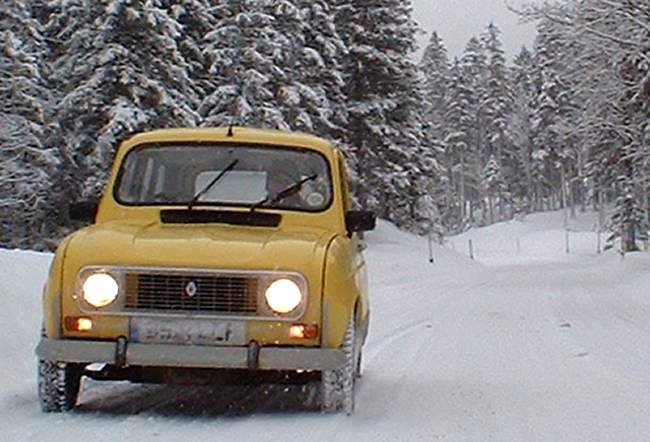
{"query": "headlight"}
(283, 296)
(100, 289)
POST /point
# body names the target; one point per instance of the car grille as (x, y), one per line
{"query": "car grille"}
(192, 293)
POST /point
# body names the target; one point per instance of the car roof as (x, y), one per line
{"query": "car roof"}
(233, 134)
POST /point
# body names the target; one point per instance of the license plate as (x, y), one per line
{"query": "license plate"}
(188, 331)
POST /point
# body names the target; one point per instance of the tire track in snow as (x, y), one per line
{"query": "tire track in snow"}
(404, 330)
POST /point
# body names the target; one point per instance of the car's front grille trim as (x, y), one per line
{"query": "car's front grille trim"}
(209, 293)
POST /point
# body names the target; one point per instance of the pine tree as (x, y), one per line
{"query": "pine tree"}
(606, 73)
(553, 118)
(435, 71)
(628, 222)
(459, 147)
(27, 163)
(519, 129)
(310, 94)
(196, 19)
(474, 119)
(275, 64)
(243, 53)
(384, 103)
(120, 71)
(436, 82)
(494, 186)
(498, 105)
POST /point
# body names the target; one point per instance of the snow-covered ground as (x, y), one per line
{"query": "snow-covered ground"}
(525, 343)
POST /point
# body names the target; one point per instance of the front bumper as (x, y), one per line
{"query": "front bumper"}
(191, 356)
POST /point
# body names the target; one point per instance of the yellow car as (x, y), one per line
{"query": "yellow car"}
(218, 254)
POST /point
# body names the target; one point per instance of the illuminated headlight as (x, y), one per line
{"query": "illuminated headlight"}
(100, 290)
(283, 296)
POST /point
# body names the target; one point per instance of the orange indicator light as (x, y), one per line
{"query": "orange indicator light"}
(297, 332)
(301, 331)
(73, 323)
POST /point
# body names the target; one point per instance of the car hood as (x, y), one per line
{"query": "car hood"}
(200, 246)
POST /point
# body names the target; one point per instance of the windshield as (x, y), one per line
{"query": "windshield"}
(225, 174)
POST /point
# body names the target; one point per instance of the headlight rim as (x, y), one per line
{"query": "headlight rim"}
(90, 273)
(299, 306)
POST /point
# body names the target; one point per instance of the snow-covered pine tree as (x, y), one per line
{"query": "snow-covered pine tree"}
(275, 64)
(384, 103)
(27, 162)
(459, 153)
(474, 121)
(493, 186)
(519, 129)
(553, 141)
(435, 70)
(609, 73)
(120, 71)
(322, 70)
(244, 53)
(309, 94)
(498, 95)
(628, 221)
(196, 20)
(498, 106)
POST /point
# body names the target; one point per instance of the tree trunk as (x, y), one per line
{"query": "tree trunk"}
(463, 197)
(628, 239)
(491, 208)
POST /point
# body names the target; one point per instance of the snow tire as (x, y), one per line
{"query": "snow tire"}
(58, 385)
(357, 371)
(337, 386)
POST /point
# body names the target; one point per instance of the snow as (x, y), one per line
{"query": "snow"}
(527, 343)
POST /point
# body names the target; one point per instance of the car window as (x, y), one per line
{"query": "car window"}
(225, 174)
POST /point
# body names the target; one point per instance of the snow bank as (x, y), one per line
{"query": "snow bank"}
(22, 275)
(540, 238)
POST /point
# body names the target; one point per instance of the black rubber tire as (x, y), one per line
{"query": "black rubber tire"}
(58, 385)
(337, 386)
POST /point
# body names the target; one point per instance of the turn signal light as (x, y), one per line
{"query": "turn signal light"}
(302, 331)
(74, 323)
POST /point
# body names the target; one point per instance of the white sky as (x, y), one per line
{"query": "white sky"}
(456, 21)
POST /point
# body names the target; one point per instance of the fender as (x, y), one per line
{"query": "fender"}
(344, 291)
(52, 291)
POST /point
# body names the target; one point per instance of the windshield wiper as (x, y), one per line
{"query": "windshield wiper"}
(284, 193)
(211, 184)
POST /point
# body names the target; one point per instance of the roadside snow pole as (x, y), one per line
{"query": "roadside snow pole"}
(601, 221)
(564, 196)
(471, 250)
(518, 246)
(566, 241)
(430, 236)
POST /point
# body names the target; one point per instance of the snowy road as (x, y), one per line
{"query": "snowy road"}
(557, 350)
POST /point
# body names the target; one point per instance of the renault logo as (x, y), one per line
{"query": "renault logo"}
(191, 289)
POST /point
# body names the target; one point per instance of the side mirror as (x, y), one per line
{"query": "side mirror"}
(84, 211)
(359, 221)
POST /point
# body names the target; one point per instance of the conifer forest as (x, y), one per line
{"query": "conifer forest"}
(438, 144)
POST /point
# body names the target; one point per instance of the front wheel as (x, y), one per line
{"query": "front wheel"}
(337, 386)
(58, 385)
